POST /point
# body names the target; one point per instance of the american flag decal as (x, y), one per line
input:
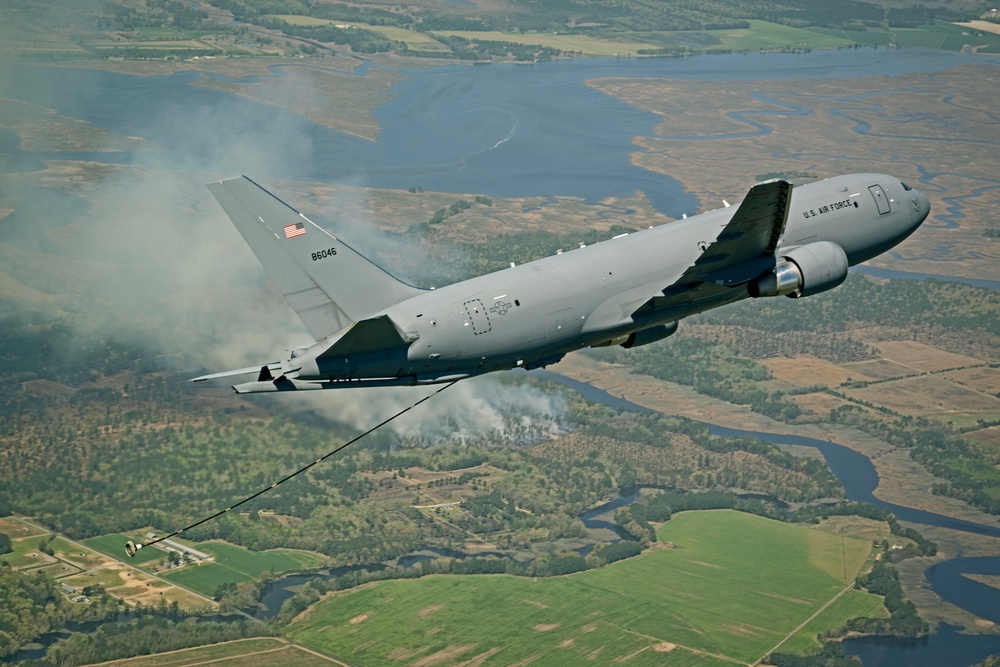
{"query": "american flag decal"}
(291, 231)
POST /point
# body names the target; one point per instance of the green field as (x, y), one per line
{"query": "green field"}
(253, 563)
(205, 578)
(235, 564)
(732, 588)
(941, 35)
(103, 577)
(763, 35)
(15, 528)
(58, 569)
(258, 652)
(114, 546)
(26, 554)
(591, 46)
(417, 41)
(414, 40)
(74, 554)
(852, 604)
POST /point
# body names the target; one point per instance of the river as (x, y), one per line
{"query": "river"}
(600, 518)
(858, 476)
(500, 130)
(946, 646)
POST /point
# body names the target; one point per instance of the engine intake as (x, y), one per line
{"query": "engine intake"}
(803, 271)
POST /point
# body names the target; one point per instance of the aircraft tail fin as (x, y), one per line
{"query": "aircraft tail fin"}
(327, 283)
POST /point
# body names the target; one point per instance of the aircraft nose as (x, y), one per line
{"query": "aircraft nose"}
(921, 205)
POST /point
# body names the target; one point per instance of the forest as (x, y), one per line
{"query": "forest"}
(31, 605)
(79, 442)
(610, 15)
(80, 449)
(608, 18)
(89, 420)
(718, 353)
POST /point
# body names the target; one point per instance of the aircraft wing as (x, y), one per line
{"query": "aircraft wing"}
(743, 250)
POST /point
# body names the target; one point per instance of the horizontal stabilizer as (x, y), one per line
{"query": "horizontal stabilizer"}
(273, 366)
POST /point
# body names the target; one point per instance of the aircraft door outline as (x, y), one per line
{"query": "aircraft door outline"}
(881, 201)
(478, 317)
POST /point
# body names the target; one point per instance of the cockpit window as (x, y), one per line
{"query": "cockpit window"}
(905, 186)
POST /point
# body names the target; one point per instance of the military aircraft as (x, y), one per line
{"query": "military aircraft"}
(372, 330)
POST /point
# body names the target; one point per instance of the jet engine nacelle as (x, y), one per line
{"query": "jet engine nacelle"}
(803, 271)
(650, 335)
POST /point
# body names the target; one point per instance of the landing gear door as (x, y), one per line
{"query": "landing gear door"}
(881, 201)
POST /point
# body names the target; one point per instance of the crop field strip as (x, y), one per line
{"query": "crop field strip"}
(114, 545)
(17, 529)
(263, 651)
(26, 554)
(585, 44)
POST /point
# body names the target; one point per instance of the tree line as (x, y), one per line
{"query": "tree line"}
(144, 636)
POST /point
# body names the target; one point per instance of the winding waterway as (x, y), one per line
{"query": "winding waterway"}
(857, 474)
(946, 646)
(500, 130)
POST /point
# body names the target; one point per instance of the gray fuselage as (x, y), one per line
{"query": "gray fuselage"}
(533, 314)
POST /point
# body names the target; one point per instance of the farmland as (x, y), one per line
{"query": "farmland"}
(702, 604)
(79, 565)
(27, 555)
(257, 652)
(585, 44)
(112, 426)
(852, 604)
(414, 40)
(16, 529)
(235, 564)
(114, 544)
(762, 35)
(252, 563)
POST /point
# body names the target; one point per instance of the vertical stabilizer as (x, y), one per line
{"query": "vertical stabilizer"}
(326, 282)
